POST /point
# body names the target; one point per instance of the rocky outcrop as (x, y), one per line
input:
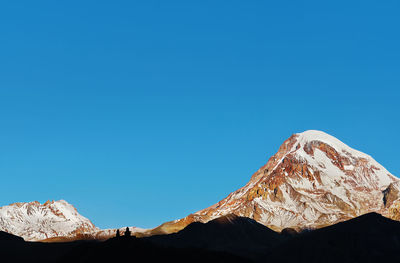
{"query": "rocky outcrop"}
(391, 194)
(394, 211)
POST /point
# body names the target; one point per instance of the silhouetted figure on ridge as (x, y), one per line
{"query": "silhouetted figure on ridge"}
(127, 232)
(118, 234)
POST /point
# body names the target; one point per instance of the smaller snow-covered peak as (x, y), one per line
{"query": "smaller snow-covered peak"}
(36, 221)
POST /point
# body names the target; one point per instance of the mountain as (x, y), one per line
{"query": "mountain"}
(36, 221)
(237, 235)
(314, 180)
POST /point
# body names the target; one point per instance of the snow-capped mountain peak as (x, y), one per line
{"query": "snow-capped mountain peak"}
(36, 221)
(313, 180)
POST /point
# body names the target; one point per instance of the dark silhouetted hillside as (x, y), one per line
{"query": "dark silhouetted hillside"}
(237, 235)
(131, 249)
(368, 238)
(122, 249)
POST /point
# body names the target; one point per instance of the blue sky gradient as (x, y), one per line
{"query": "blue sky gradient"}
(140, 112)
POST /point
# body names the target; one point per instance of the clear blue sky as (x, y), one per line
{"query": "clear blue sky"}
(140, 112)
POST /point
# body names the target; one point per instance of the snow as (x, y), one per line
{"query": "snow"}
(384, 178)
(35, 221)
(348, 167)
(314, 135)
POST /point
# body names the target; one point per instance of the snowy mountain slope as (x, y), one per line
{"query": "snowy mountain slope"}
(312, 181)
(35, 221)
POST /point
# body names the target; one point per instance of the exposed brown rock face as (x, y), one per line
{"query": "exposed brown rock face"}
(312, 181)
(390, 194)
(394, 210)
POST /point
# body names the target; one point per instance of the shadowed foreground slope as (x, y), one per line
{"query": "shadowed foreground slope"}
(131, 249)
(368, 238)
(122, 249)
(237, 235)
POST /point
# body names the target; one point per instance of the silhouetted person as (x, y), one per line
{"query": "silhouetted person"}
(118, 234)
(127, 232)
